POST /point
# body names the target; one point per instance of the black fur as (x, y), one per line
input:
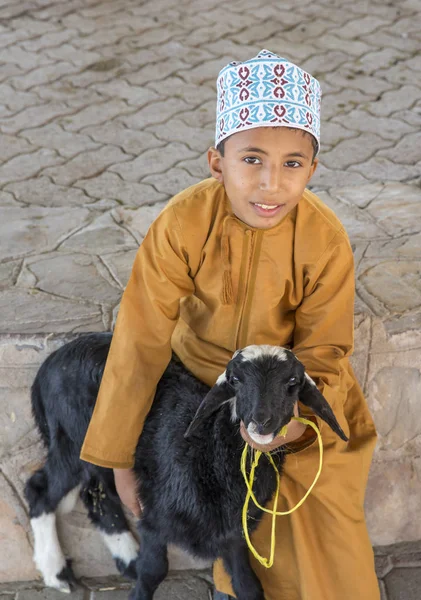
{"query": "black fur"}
(187, 458)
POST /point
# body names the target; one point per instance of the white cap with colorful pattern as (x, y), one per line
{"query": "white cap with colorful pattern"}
(266, 91)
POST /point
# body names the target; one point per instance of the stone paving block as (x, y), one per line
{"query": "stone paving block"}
(325, 62)
(11, 145)
(400, 74)
(86, 278)
(102, 37)
(102, 235)
(351, 76)
(8, 273)
(16, 562)
(43, 75)
(135, 95)
(158, 112)
(112, 186)
(207, 71)
(156, 71)
(402, 586)
(49, 594)
(137, 221)
(359, 225)
(15, 100)
(42, 192)
(197, 167)
(407, 150)
(86, 164)
(176, 86)
(379, 168)
(339, 104)
(25, 60)
(197, 138)
(58, 315)
(120, 265)
(397, 209)
(9, 70)
(96, 114)
(330, 41)
(24, 166)
(64, 91)
(131, 141)
(395, 101)
(412, 117)
(49, 40)
(376, 60)
(383, 39)
(354, 150)
(360, 120)
(171, 181)
(35, 230)
(326, 177)
(360, 26)
(155, 160)
(54, 137)
(34, 116)
(181, 50)
(68, 53)
(201, 116)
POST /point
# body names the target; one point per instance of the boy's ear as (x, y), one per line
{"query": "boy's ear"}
(215, 166)
(311, 397)
(220, 393)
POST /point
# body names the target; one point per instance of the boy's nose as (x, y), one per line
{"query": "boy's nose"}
(271, 181)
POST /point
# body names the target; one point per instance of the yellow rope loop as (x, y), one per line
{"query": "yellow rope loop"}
(249, 483)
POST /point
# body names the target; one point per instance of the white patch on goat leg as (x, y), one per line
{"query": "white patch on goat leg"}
(257, 351)
(122, 546)
(48, 555)
(309, 379)
(68, 503)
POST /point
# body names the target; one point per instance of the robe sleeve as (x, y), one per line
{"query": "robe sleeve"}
(141, 344)
(324, 330)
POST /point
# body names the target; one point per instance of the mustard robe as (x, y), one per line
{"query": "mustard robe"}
(204, 284)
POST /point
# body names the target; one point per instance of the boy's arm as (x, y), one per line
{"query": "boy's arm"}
(141, 344)
(324, 331)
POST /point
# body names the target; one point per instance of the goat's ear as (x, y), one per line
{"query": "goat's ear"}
(311, 397)
(220, 393)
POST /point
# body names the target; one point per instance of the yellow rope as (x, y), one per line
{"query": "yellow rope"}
(249, 483)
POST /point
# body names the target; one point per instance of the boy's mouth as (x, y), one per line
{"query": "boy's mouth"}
(267, 210)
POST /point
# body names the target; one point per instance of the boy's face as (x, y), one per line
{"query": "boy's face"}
(264, 171)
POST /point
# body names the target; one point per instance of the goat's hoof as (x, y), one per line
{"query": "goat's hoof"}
(127, 570)
(66, 579)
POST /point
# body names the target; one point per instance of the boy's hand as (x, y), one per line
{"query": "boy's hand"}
(126, 485)
(295, 431)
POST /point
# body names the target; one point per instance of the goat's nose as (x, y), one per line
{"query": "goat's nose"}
(261, 425)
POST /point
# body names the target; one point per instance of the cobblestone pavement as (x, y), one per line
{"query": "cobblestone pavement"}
(106, 110)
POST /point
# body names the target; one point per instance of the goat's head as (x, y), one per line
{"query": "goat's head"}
(263, 383)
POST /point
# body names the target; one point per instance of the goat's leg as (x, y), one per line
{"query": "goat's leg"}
(152, 564)
(49, 491)
(245, 582)
(106, 513)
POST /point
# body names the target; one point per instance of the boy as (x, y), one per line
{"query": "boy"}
(250, 256)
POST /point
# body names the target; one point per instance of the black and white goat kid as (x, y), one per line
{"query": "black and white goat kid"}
(187, 460)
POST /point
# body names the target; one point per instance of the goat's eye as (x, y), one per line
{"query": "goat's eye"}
(234, 379)
(292, 381)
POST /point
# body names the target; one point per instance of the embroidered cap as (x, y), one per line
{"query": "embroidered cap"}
(266, 91)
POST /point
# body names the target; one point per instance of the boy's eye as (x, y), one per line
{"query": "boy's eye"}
(293, 163)
(252, 160)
